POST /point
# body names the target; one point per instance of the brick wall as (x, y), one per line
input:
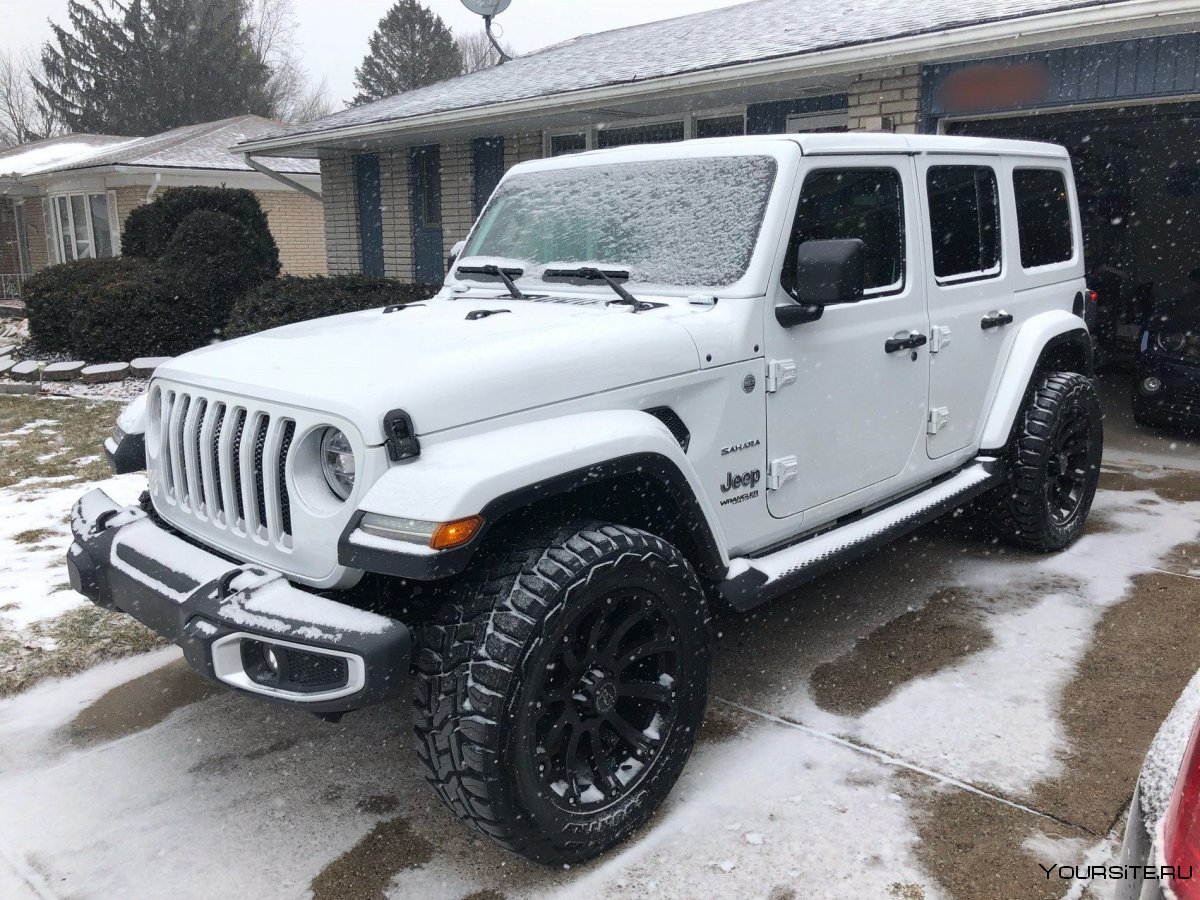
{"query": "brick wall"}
(396, 210)
(458, 194)
(340, 201)
(298, 225)
(521, 146)
(10, 255)
(340, 205)
(35, 234)
(884, 94)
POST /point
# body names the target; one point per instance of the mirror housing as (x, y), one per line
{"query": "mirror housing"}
(826, 272)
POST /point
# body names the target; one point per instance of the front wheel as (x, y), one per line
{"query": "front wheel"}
(559, 695)
(1054, 465)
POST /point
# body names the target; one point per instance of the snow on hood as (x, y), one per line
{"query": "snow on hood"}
(440, 367)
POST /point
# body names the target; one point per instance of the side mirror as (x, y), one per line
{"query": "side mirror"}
(826, 272)
(455, 252)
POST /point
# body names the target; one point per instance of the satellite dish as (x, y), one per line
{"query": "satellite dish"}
(486, 8)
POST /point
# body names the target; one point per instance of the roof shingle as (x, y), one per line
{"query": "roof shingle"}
(758, 30)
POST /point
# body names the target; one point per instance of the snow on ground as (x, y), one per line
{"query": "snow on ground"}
(38, 511)
(228, 795)
(997, 718)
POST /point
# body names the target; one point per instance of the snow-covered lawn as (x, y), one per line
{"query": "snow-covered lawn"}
(50, 453)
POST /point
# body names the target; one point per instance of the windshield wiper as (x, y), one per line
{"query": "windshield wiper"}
(505, 275)
(591, 273)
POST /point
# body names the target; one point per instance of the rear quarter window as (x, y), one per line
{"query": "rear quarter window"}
(1043, 217)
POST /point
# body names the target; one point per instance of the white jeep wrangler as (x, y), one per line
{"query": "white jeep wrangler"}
(657, 380)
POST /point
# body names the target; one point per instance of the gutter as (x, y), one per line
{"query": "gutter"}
(280, 177)
(1007, 36)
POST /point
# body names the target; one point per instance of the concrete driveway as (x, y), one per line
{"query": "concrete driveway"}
(935, 721)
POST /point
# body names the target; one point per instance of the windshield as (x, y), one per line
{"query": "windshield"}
(688, 222)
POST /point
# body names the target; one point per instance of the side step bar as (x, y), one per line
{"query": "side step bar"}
(755, 580)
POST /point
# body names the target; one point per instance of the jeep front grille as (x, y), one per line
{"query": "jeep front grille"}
(224, 463)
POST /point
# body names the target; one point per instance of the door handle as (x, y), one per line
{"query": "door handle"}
(996, 320)
(915, 339)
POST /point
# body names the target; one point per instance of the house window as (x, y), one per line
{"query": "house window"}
(721, 126)
(428, 186)
(660, 133)
(83, 227)
(1043, 217)
(964, 221)
(562, 144)
(867, 204)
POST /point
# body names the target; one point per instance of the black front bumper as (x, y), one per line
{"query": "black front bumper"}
(222, 613)
(1178, 400)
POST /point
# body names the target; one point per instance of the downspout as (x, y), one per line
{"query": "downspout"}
(280, 177)
(153, 188)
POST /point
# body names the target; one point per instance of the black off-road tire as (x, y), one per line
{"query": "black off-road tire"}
(1054, 465)
(499, 698)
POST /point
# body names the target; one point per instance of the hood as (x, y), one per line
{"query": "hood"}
(440, 366)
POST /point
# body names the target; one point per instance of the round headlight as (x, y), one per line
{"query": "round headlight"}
(1171, 341)
(337, 462)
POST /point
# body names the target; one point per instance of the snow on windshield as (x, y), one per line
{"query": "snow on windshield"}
(676, 221)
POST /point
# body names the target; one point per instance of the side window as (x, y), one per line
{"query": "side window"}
(964, 222)
(867, 204)
(1043, 217)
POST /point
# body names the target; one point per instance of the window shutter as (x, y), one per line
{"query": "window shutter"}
(114, 223)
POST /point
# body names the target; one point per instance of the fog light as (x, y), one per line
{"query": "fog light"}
(1151, 384)
(271, 659)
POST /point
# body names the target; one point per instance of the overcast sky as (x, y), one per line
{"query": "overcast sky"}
(333, 33)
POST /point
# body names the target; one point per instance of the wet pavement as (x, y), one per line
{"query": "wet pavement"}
(933, 721)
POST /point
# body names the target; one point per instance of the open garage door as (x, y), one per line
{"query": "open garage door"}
(1137, 169)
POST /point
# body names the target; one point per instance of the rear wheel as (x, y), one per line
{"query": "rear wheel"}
(1054, 468)
(558, 698)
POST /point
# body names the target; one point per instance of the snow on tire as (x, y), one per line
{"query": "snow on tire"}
(559, 693)
(1054, 465)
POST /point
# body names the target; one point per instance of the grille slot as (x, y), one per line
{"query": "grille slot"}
(285, 501)
(226, 465)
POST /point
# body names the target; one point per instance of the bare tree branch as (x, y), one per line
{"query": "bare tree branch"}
(22, 117)
(478, 52)
(272, 26)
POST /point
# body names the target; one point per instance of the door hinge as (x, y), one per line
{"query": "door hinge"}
(938, 417)
(781, 471)
(939, 337)
(780, 373)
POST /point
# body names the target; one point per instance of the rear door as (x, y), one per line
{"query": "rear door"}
(970, 285)
(853, 415)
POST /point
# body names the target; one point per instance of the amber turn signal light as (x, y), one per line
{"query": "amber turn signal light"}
(456, 533)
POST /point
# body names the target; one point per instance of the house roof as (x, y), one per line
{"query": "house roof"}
(203, 146)
(749, 32)
(55, 151)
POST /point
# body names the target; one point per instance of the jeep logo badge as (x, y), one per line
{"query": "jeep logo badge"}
(748, 384)
(745, 480)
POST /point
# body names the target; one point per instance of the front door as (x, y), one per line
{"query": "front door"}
(429, 265)
(855, 413)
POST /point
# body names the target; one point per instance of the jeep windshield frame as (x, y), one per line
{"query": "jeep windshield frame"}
(688, 222)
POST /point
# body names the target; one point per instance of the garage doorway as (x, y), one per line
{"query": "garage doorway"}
(1137, 170)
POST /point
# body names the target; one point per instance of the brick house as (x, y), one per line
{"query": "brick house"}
(68, 197)
(1113, 80)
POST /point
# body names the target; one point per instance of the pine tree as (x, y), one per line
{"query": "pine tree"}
(144, 66)
(411, 47)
